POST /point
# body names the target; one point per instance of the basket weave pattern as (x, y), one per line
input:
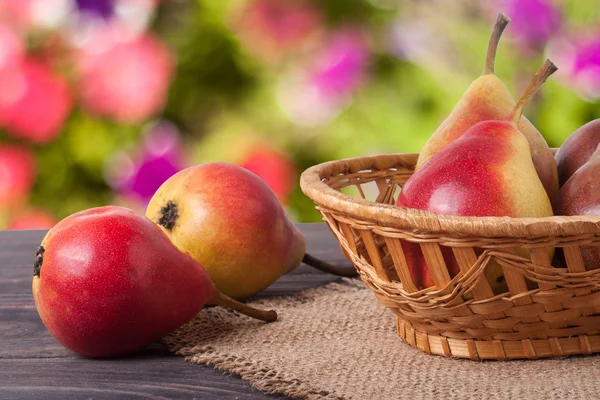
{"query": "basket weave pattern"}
(548, 311)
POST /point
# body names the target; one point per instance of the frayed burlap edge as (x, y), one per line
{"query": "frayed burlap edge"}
(256, 374)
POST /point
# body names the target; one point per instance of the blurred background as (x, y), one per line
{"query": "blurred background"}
(103, 100)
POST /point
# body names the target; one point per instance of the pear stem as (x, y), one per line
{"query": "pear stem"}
(490, 58)
(328, 268)
(540, 77)
(225, 301)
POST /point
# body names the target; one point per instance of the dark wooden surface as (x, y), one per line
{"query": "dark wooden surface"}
(34, 366)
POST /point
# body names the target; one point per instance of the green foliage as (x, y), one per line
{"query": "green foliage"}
(71, 169)
(224, 98)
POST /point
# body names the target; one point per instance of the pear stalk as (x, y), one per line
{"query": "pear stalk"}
(540, 77)
(490, 58)
(326, 267)
(227, 302)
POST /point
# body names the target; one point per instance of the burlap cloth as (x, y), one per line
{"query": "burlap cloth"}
(336, 342)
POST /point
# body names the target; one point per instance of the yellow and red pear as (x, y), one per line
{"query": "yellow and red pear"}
(488, 98)
(231, 222)
(488, 171)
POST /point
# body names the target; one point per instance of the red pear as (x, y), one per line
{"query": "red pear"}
(107, 282)
(577, 149)
(488, 98)
(487, 171)
(580, 195)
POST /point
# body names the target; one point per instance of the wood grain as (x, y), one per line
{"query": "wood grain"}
(34, 366)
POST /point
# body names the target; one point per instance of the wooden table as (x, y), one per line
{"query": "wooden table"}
(34, 366)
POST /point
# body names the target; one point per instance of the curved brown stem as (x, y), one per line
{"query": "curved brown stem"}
(540, 77)
(225, 301)
(490, 58)
(328, 268)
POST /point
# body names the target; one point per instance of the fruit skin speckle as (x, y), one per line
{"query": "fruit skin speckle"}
(111, 282)
(230, 221)
(487, 172)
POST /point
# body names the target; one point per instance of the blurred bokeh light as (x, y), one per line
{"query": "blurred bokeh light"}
(103, 100)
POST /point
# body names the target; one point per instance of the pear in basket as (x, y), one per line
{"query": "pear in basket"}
(487, 98)
(488, 171)
(577, 149)
(580, 195)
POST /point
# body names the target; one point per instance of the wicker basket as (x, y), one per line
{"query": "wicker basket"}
(546, 312)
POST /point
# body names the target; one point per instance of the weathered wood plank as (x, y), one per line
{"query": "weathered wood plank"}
(33, 365)
(127, 378)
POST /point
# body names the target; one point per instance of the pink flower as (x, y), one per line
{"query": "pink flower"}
(27, 14)
(124, 78)
(271, 27)
(17, 174)
(11, 48)
(275, 168)
(315, 95)
(17, 13)
(578, 60)
(34, 101)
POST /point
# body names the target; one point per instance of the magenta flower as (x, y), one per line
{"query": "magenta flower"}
(533, 22)
(17, 174)
(124, 78)
(339, 70)
(34, 101)
(100, 8)
(315, 95)
(139, 175)
(578, 60)
(270, 28)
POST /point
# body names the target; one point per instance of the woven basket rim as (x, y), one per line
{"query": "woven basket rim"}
(311, 183)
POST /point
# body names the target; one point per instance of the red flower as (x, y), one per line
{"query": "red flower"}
(271, 27)
(17, 174)
(275, 168)
(34, 102)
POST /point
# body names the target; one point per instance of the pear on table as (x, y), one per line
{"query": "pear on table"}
(107, 282)
(488, 98)
(232, 223)
(487, 171)
(577, 149)
(580, 195)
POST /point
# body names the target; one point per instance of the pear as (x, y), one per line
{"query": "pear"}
(577, 149)
(487, 171)
(230, 221)
(580, 195)
(488, 98)
(107, 282)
